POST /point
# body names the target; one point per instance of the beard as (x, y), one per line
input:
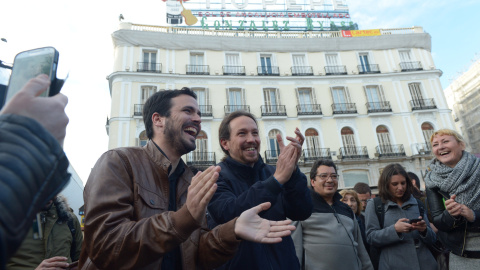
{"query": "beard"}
(176, 137)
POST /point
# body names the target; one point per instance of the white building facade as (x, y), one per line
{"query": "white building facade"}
(364, 102)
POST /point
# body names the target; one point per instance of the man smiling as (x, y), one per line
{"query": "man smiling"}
(245, 181)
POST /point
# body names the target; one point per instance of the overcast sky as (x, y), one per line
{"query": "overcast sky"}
(81, 32)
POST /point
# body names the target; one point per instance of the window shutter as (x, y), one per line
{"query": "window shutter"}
(314, 97)
(347, 95)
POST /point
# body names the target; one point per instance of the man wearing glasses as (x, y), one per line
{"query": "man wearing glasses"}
(330, 238)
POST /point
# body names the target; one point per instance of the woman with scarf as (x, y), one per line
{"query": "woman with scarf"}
(453, 192)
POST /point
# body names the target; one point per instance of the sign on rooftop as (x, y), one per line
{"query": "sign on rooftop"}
(261, 15)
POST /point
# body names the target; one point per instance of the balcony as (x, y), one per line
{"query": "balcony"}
(424, 148)
(273, 110)
(138, 110)
(353, 152)
(302, 71)
(149, 67)
(376, 107)
(201, 160)
(335, 70)
(344, 108)
(390, 150)
(234, 70)
(423, 104)
(198, 70)
(271, 156)
(268, 71)
(368, 69)
(309, 109)
(410, 66)
(206, 110)
(314, 154)
(232, 108)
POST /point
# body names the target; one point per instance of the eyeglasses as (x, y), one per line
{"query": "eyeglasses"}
(325, 176)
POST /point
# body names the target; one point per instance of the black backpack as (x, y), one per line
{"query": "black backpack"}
(380, 211)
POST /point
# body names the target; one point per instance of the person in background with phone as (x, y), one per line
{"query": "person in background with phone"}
(53, 242)
(33, 165)
(402, 245)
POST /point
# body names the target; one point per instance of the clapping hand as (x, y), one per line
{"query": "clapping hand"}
(251, 227)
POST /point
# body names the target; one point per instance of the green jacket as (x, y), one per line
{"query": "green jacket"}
(56, 241)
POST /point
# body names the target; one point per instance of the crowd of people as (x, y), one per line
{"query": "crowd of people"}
(146, 209)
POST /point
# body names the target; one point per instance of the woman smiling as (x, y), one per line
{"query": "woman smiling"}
(453, 192)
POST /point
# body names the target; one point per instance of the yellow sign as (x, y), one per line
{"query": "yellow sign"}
(361, 33)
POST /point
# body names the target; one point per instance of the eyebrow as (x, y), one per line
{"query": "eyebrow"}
(193, 109)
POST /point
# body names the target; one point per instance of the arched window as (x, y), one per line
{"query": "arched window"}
(312, 145)
(201, 152)
(273, 143)
(427, 130)
(348, 140)
(384, 141)
(142, 139)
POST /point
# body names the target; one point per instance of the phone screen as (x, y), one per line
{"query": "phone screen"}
(28, 65)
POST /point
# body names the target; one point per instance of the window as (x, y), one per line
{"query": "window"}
(203, 100)
(376, 98)
(405, 56)
(312, 145)
(149, 61)
(272, 100)
(142, 139)
(350, 178)
(383, 136)
(348, 140)
(364, 63)
(273, 143)
(266, 64)
(300, 65)
(147, 91)
(201, 152)
(306, 100)
(232, 64)
(236, 96)
(197, 64)
(332, 59)
(415, 91)
(341, 99)
(427, 130)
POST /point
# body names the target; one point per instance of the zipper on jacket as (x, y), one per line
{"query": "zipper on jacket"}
(464, 238)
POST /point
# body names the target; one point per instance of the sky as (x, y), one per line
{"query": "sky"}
(81, 32)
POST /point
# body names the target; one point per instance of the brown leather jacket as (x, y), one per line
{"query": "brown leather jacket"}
(127, 225)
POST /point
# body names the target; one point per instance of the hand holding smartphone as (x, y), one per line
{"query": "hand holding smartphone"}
(28, 65)
(414, 220)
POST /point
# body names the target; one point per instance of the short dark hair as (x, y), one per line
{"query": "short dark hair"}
(320, 162)
(414, 178)
(386, 178)
(362, 188)
(161, 103)
(224, 129)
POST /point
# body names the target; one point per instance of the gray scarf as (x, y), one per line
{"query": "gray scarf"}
(463, 180)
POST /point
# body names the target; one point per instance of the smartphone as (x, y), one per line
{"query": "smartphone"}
(414, 220)
(30, 64)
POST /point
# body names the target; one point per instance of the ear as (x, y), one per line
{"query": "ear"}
(224, 144)
(312, 182)
(157, 120)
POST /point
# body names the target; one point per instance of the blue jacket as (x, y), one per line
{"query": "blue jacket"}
(241, 187)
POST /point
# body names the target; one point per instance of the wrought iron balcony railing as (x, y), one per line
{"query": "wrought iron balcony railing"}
(344, 108)
(314, 154)
(234, 70)
(268, 71)
(138, 110)
(201, 159)
(273, 110)
(354, 152)
(149, 67)
(206, 110)
(368, 69)
(309, 109)
(411, 66)
(271, 156)
(302, 71)
(335, 70)
(232, 108)
(198, 70)
(424, 148)
(382, 106)
(390, 150)
(423, 104)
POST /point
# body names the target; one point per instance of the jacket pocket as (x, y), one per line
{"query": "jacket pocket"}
(150, 203)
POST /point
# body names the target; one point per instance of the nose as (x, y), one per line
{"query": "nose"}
(197, 118)
(250, 137)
